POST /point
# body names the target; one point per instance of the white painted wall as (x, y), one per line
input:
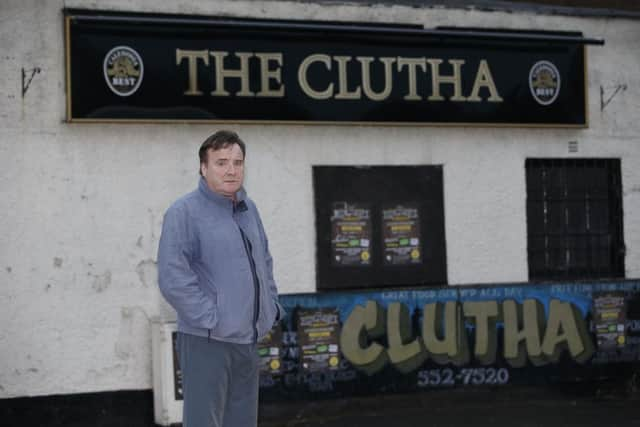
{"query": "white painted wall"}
(82, 204)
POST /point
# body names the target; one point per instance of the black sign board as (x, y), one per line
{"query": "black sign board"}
(385, 223)
(123, 67)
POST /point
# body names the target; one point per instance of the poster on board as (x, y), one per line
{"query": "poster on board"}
(401, 234)
(318, 335)
(350, 234)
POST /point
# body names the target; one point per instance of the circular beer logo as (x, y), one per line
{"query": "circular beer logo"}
(544, 82)
(123, 70)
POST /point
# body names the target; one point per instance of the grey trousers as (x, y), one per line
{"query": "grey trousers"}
(219, 382)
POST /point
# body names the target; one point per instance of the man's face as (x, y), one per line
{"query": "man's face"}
(224, 170)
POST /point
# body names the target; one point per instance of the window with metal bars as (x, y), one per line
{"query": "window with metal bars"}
(574, 219)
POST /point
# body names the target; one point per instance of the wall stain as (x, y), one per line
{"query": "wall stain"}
(147, 272)
(152, 217)
(127, 344)
(57, 262)
(123, 347)
(139, 242)
(633, 190)
(9, 269)
(116, 371)
(102, 282)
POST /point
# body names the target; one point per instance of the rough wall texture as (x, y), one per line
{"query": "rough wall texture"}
(82, 204)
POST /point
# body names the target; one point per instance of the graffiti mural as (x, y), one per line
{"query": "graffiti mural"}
(357, 343)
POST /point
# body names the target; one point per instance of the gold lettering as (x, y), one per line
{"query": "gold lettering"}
(343, 83)
(437, 79)
(453, 346)
(566, 329)
(266, 75)
(412, 64)
(404, 355)
(221, 73)
(484, 315)
(365, 61)
(484, 79)
(192, 67)
(363, 324)
(523, 327)
(304, 83)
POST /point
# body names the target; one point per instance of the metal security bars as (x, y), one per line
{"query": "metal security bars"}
(574, 219)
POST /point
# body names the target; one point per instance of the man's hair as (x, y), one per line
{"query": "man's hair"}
(217, 141)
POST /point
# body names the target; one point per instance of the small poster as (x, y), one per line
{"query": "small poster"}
(318, 334)
(350, 234)
(269, 350)
(609, 320)
(401, 235)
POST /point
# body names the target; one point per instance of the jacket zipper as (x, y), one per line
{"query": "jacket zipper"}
(256, 284)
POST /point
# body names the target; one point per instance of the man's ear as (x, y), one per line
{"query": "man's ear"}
(203, 170)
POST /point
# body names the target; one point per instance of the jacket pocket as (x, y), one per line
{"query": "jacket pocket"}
(211, 292)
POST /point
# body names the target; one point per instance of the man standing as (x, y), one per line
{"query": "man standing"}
(215, 269)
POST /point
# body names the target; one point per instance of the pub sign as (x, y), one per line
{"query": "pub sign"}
(167, 68)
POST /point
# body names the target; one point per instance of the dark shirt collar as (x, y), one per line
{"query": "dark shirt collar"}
(218, 198)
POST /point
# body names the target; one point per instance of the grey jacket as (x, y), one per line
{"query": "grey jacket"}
(215, 269)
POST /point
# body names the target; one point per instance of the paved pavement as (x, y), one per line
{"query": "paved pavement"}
(508, 406)
(453, 408)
